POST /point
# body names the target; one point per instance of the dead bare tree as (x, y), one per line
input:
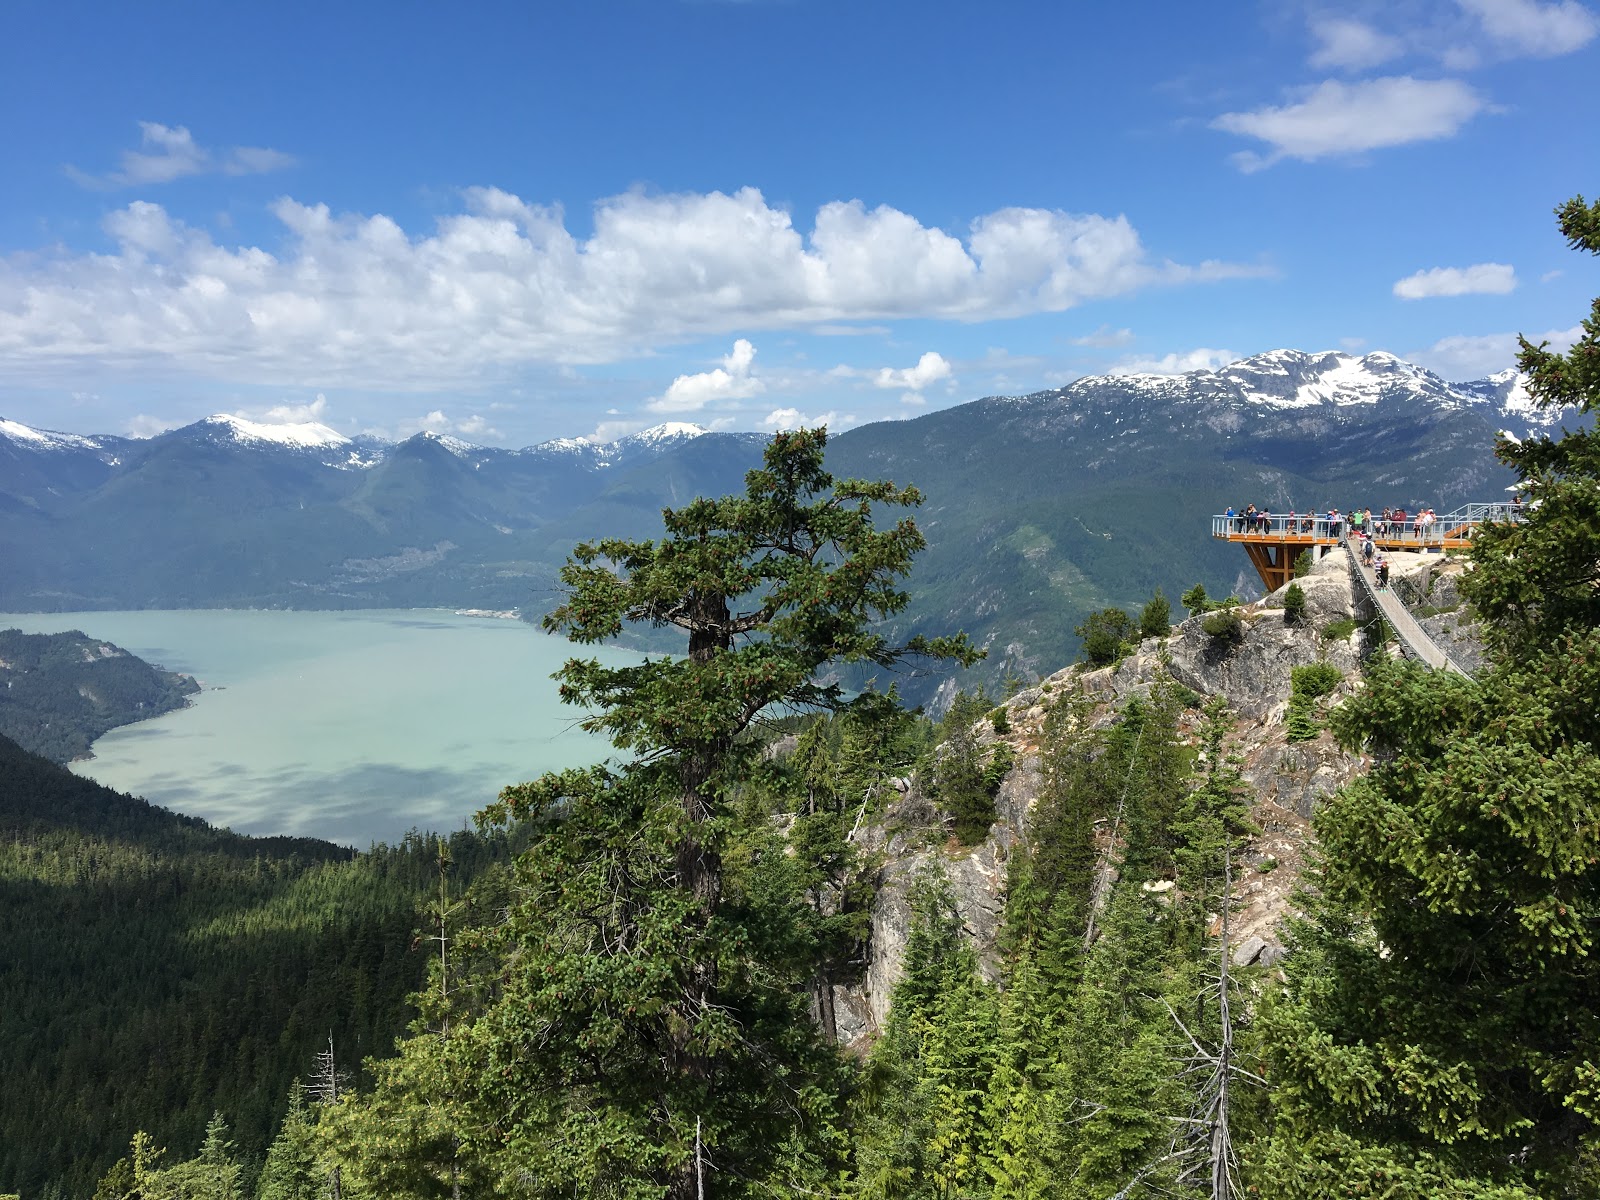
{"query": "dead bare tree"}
(324, 1087)
(1207, 1130)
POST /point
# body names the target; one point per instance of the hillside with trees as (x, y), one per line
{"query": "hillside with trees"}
(157, 969)
(60, 691)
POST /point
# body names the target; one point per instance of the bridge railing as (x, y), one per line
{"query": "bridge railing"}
(1301, 526)
(1414, 530)
(1415, 641)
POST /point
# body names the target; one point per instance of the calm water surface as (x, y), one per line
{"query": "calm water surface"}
(352, 726)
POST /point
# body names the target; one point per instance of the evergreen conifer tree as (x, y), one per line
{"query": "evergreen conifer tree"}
(919, 1127)
(292, 1171)
(1440, 1038)
(642, 1028)
(1155, 619)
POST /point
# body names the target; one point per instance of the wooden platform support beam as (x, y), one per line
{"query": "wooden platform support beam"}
(1273, 561)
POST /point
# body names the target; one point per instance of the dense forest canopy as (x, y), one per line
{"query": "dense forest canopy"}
(157, 969)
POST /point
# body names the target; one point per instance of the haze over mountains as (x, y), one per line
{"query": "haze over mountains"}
(1039, 508)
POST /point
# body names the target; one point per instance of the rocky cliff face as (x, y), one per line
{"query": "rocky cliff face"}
(1288, 778)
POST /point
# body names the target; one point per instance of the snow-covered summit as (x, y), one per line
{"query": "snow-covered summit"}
(299, 435)
(656, 437)
(1507, 390)
(1297, 379)
(663, 434)
(455, 445)
(565, 445)
(44, 439)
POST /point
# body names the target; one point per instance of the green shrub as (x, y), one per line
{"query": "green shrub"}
(1001, 759)
(1301, 719)
(1338, 631)
(1306, 684)
(1196, 600)
(1106, 635)
(1000, 720)
(1224, 625)
(1302, 564)
(1294, 605)
(965, 784)
(1314, 679)
(1186, 697)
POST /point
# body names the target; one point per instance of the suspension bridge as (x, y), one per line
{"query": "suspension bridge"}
(1274, 540)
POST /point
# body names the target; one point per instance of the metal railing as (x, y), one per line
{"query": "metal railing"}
(1415, 529)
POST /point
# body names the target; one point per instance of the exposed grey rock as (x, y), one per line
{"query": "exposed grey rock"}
(1249, 950)
(1288, 779)
(1254, 673)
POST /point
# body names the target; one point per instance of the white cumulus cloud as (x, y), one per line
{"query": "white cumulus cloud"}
(731, 381)
(1337, 118)
(1177, 363)
(1472, 356)
(1104, 338)
(792, 418)
(930, 368)
(1350, 45)
(168, 152)
(1488, 279)
(146, 425)
(470, 428)
(356, 299)
(293, 414)
(1525, 27)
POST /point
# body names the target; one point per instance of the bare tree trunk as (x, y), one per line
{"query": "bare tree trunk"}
(1221, 1139)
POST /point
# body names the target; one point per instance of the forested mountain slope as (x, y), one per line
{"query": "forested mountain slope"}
(156, 969)
(60, 691)
(1040, 508)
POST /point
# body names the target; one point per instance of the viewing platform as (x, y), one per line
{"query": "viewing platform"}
(1274, 540)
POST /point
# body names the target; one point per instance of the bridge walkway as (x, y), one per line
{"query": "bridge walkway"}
(1414, 640)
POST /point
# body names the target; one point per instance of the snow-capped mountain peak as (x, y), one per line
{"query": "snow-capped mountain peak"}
(656, 435)
(299, 435)
(44, 439)
(1507, 391)
(455, 445)
(566, 445)
(1296, 379)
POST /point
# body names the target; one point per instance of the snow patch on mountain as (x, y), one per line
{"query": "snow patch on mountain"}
(455, 445)
(302, 435)
(44, 439)
(566, 445)
(1508, 392)
(657, 435)
(1294, 379)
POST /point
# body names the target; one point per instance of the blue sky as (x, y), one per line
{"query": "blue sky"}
(513, 222)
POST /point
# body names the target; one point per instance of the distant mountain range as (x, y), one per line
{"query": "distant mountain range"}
(1039, 507)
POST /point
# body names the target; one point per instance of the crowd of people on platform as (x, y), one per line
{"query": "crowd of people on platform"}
(1360, 524)
(1393, 523)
